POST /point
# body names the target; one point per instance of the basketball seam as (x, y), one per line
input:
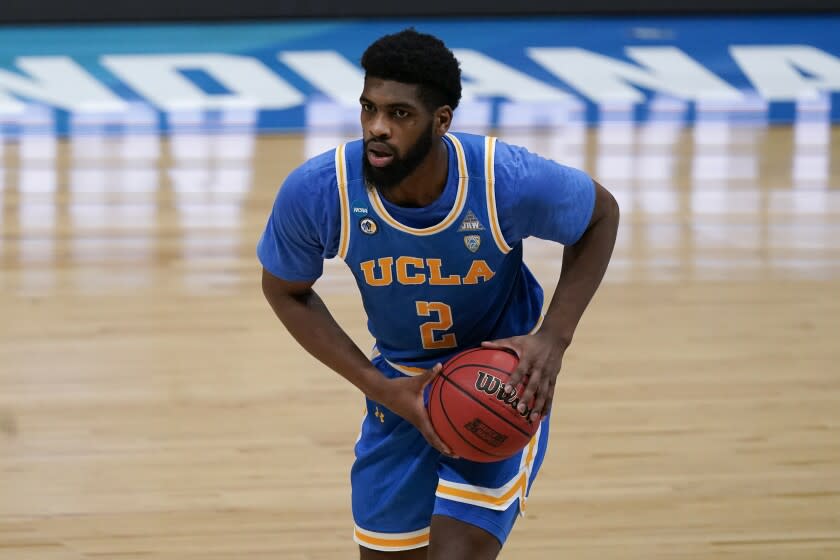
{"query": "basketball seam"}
(455, 429)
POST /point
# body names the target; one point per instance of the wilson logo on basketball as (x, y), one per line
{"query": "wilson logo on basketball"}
(493, 386)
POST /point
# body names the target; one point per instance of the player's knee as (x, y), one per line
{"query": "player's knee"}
(452, 539)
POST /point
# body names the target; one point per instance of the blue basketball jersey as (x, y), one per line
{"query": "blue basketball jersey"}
(433, 280)
(432, 291)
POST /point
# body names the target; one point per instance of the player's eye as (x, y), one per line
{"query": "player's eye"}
(367, 107)
(400, 113)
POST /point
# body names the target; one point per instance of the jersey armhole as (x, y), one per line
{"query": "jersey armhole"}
(490, 180)
(344, 203)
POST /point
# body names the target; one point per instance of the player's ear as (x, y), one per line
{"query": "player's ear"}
(443, 119)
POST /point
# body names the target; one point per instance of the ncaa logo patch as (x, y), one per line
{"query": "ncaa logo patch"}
(368, 226)
(359, 207)
(472, 242)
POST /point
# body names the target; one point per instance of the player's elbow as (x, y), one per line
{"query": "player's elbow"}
(613, 211)
(272, 288)
(266, 284)
(606, 206)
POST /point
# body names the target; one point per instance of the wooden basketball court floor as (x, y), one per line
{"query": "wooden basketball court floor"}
(152, 407)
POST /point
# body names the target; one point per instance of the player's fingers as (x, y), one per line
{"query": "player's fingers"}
(511, 344)
(534, 380)
(429, 375)
(434, 440)
(549, 401)
(517, 376)
(541, 398)
(424, 423)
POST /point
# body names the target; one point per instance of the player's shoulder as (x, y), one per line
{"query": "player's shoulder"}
(317, 169)
(475, 149)
(513, 162)
(468, 137)
(508, 152)
(510, 161)
(518, 165)
(502, 148)
(472, 143)
(519, 160)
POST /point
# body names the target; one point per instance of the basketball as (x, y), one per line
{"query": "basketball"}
(470, 410)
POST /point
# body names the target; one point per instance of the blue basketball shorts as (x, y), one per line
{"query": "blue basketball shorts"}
(399, 481)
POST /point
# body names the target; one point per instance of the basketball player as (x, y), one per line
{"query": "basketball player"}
(431, 224)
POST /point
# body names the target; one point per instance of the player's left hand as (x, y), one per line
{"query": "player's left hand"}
(540, 359)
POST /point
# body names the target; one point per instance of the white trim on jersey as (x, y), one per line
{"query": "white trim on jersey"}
(391, 542)
(341, 180)
(490, 181)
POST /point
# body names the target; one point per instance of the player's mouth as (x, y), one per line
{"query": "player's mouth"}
(379, 155)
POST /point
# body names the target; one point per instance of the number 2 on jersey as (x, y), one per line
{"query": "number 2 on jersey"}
(427, 330)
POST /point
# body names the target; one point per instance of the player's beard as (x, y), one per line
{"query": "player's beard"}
(384, 178)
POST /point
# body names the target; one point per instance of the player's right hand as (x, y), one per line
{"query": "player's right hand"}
(404, 396)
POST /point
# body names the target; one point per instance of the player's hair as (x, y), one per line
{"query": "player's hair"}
(416, 58)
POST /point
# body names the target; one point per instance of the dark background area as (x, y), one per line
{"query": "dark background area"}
(87, 11)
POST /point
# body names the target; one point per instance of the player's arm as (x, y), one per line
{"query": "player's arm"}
(564, 205)
(584, 265)
(308, 320)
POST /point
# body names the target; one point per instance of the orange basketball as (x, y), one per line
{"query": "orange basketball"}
(470, 410)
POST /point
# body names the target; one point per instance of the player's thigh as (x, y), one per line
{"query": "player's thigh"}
(416, 554)
(452, 539)
(393, 481)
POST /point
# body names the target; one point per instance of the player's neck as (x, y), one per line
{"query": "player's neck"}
(425, 184)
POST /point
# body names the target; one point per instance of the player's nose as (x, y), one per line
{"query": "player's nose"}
(378, 126)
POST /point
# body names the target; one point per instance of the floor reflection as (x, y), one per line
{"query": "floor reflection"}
(115, 206)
